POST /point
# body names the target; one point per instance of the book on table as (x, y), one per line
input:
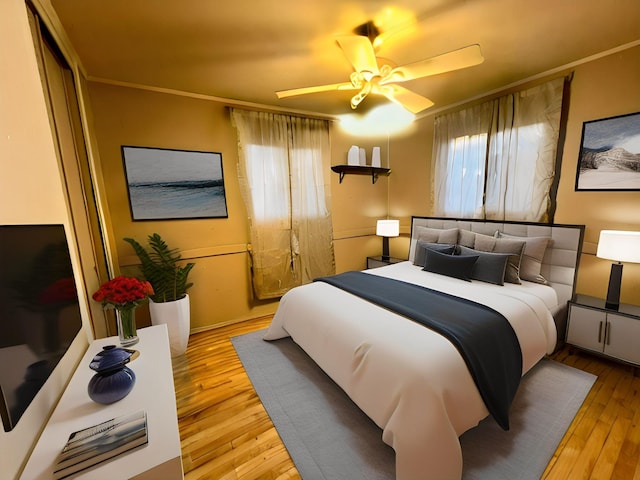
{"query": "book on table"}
(98, 443)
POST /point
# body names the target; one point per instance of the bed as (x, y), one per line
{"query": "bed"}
(416, 384)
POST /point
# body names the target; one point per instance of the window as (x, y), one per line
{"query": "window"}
(497, 160)
(269, 189)
(465, 173)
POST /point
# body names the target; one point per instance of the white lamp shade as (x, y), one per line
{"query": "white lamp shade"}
(388, 228)
(619, 245)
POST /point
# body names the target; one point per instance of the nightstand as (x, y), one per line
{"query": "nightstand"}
(380, 261)
(613, 333)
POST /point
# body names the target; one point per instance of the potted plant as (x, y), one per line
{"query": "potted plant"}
(169, 303)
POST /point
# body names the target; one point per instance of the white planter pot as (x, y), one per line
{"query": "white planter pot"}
(177, 317)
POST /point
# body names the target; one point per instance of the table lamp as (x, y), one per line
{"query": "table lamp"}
(620, 246)
(386, 229)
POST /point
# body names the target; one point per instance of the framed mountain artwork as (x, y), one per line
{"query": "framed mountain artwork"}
(610, 154)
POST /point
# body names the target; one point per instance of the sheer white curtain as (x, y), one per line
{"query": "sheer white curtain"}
(511, 152)
(460, 153)
(281, 161)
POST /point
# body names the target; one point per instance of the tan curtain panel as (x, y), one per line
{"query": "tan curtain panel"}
(281, 163)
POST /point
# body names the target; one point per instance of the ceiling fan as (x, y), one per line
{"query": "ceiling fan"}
(376, 75)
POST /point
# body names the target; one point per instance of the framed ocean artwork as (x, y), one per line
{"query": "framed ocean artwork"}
(166, 184)
(610, 154)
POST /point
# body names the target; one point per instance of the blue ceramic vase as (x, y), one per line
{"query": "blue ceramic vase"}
(113, 380)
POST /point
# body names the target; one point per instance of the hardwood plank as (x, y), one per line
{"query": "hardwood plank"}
(227, 435)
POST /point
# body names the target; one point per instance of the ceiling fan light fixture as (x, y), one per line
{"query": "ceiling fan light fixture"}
(388, 119)
(373, 74)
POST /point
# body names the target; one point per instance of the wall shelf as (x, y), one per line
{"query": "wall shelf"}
(375, 172)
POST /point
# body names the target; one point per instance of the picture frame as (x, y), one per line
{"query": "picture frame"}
(168, 184)
(609, 158)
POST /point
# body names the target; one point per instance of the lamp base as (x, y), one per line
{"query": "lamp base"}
(611, 306)
(385, 248)
(613, 292)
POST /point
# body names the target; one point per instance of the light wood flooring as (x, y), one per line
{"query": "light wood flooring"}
(227, 435)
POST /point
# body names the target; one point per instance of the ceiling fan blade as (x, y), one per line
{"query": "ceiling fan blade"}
(360, 53)
(410, 100)
(462, 58)
(316, 89)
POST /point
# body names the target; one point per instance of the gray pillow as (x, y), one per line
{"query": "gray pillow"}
(436, 235)
(532, 256)
(421, 247)
(487, 243)
(456, 266)
(490, 267)
(466, 238)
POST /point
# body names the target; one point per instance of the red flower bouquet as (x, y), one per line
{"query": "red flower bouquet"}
(123, 292)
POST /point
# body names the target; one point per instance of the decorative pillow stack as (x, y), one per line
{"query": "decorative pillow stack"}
(443, 241)
(469, 255)
(487, 243)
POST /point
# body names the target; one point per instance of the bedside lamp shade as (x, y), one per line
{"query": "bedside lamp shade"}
(620, 246)
(386, 229)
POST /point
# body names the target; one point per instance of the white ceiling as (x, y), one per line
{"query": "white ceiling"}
(248, 49)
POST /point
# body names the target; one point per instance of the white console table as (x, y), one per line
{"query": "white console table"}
(153, 392)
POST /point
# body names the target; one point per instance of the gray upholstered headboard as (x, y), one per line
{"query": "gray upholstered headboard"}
(560, 263)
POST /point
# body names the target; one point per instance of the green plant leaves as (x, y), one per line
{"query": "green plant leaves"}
(159, 266)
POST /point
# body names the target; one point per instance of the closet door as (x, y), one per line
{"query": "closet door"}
(64, 115)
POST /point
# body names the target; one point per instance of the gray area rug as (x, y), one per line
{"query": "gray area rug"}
(329, 438)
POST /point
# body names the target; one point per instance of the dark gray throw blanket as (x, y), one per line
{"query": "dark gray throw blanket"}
(484, 338)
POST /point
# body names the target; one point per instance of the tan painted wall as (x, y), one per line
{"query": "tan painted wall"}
(128, 116)
(603, 88)
(358, 203)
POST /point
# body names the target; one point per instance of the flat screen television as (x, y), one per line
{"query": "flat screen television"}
(39, 312)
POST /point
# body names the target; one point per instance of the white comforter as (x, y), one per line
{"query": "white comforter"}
(409, 380)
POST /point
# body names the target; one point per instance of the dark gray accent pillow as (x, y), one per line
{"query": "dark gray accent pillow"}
(490, 267)
(421, 247)
(456, 266)
(487, 243)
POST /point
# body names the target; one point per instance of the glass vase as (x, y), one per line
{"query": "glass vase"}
(126, 318)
